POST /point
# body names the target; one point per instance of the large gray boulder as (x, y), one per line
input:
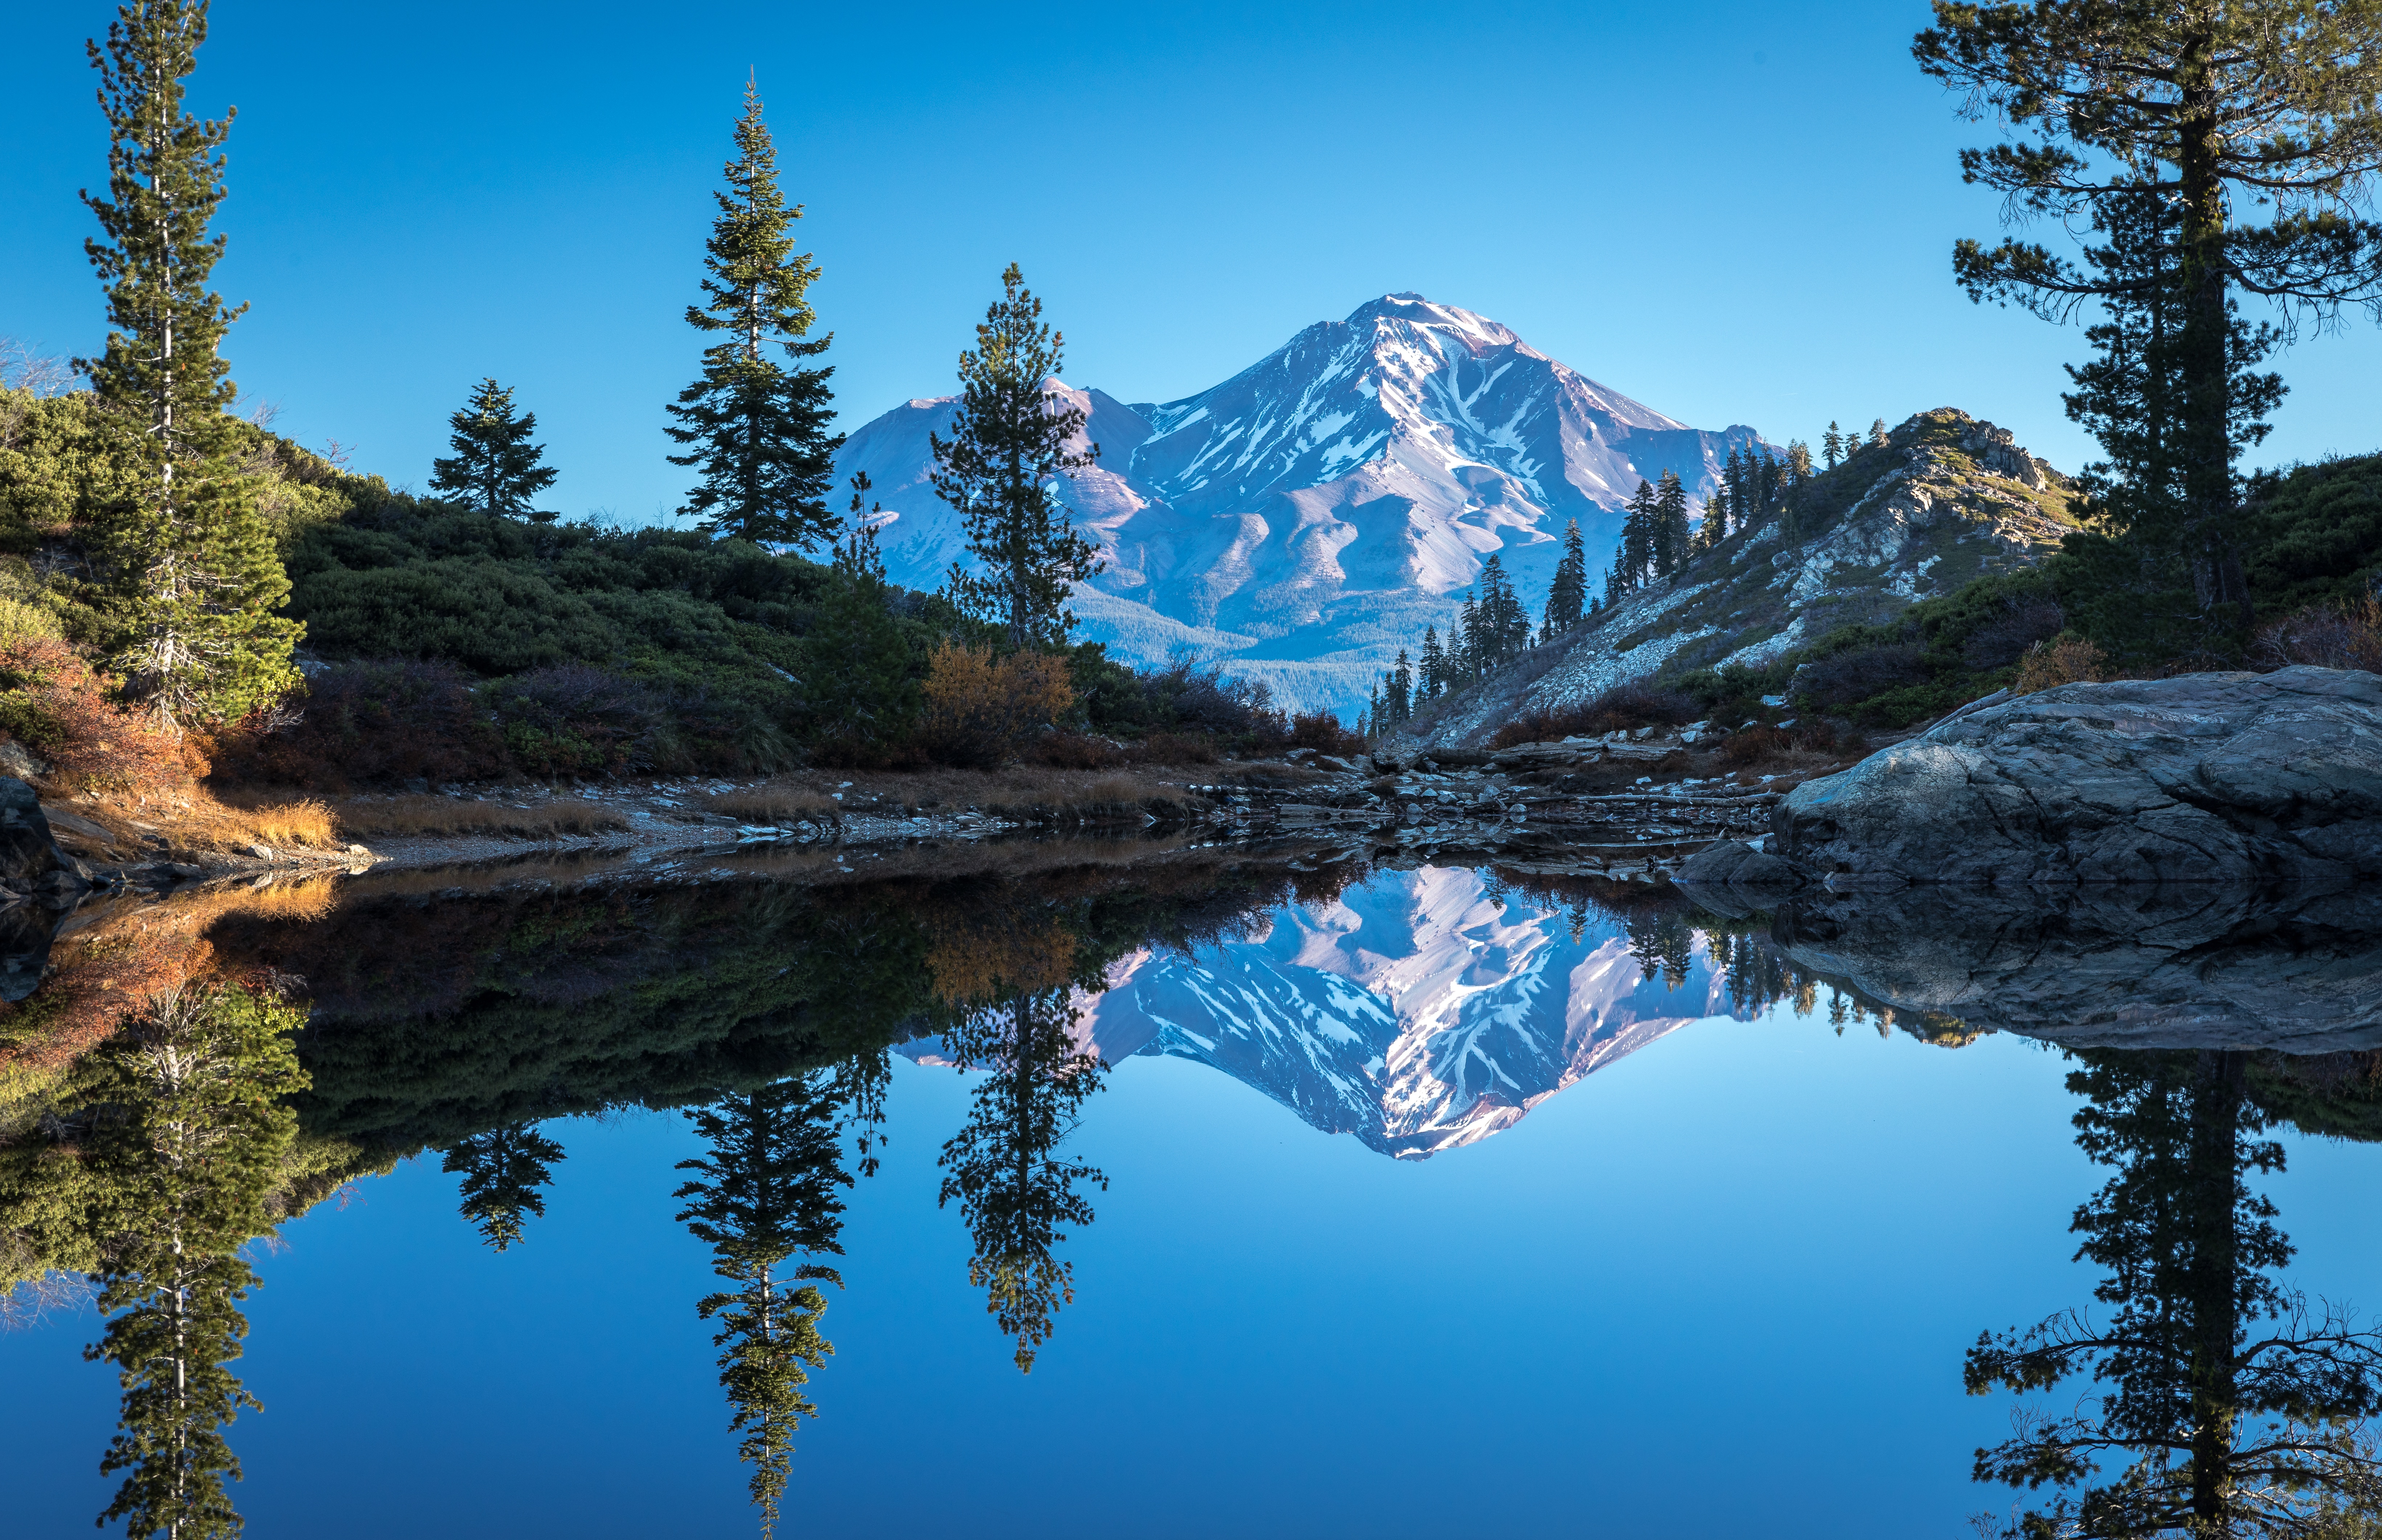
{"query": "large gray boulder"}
(2204, 778)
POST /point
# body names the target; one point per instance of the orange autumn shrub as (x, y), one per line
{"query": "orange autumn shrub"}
(2065, 660)
(981, 708)
(55, 704)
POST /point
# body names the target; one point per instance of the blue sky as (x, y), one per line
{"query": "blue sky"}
(1734, 213)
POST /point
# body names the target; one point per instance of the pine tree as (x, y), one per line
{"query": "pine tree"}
(1397, 694)
(857, 675)
(494, 468)
(1877, 434)
(1713, 528)
(1464, 657)
(1670, 529)
(2255, 125)
(193, 1138)
(1433, 664)
(764, 1195)
(1003, 1166)
(502, 1170)
(758, 429)
(2238, 1403)
(1568, 595)
(1636, 559)
(1009, 441)
(2141, 579)
(1831, 445)
(1798, 462)
(188, 559)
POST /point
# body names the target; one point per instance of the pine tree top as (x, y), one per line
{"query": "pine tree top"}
(759, 283)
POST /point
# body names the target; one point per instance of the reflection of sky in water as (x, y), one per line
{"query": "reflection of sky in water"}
(1721, 1287)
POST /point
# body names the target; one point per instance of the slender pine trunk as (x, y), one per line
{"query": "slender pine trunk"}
(2216, 1405)
(2209, 512)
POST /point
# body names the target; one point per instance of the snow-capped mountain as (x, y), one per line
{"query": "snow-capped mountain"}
(1305, 519)
(1415, 1012)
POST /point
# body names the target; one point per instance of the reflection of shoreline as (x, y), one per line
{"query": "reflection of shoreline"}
(2296, 969)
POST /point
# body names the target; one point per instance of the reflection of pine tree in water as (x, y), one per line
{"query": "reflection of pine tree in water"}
(2237, 1404)
(502, 1170)
(1002, 1165)
(765, 1194)
(188, 1140)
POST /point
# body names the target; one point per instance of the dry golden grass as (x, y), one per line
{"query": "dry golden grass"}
(446, 817)
(202, 823)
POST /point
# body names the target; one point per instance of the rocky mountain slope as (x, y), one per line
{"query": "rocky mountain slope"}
(1949, 498)
(1305, 519)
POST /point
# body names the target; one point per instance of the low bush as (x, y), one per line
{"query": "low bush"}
(2330, 637)
(1321, 730)
(1847, 678)
(981, 708)
(2024, 621)
(2068, 660)
(1175, 748)
(1623, 708)
(377, 722)
(54, 704)
(1066, 750)
(1757, 745)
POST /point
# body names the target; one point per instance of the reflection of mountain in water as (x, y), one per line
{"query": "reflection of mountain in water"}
(1413, 1012)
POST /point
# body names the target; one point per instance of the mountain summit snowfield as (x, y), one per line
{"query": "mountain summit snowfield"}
(1307, 517)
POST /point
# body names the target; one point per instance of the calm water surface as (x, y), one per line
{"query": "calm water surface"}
(1320, 1203)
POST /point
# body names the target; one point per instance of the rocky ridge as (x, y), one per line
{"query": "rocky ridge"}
(1949, 499)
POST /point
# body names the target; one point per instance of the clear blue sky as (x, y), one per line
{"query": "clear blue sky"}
(1734, 212)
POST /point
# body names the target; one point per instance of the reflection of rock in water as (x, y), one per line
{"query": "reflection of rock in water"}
(25, 932)
(2188, 966)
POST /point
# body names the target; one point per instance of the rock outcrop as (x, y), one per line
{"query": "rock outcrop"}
(29, 856)
(1945, 500)
(2203, 778)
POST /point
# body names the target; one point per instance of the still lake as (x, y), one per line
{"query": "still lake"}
(1416, 1199)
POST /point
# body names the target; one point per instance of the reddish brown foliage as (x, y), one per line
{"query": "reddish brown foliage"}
(52, 703)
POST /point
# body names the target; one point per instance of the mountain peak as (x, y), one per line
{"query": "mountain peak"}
(1305, 519)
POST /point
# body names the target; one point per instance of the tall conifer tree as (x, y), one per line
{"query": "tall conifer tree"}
(1010, 439)
(1568, 594)
(502, 1169)
(191, 561)
(1433, 664)
(195, 1139)
(764, 1195)
(1669, 535)
(2256, 124)
(494, 467)
(1397, 690)
(758, 429)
